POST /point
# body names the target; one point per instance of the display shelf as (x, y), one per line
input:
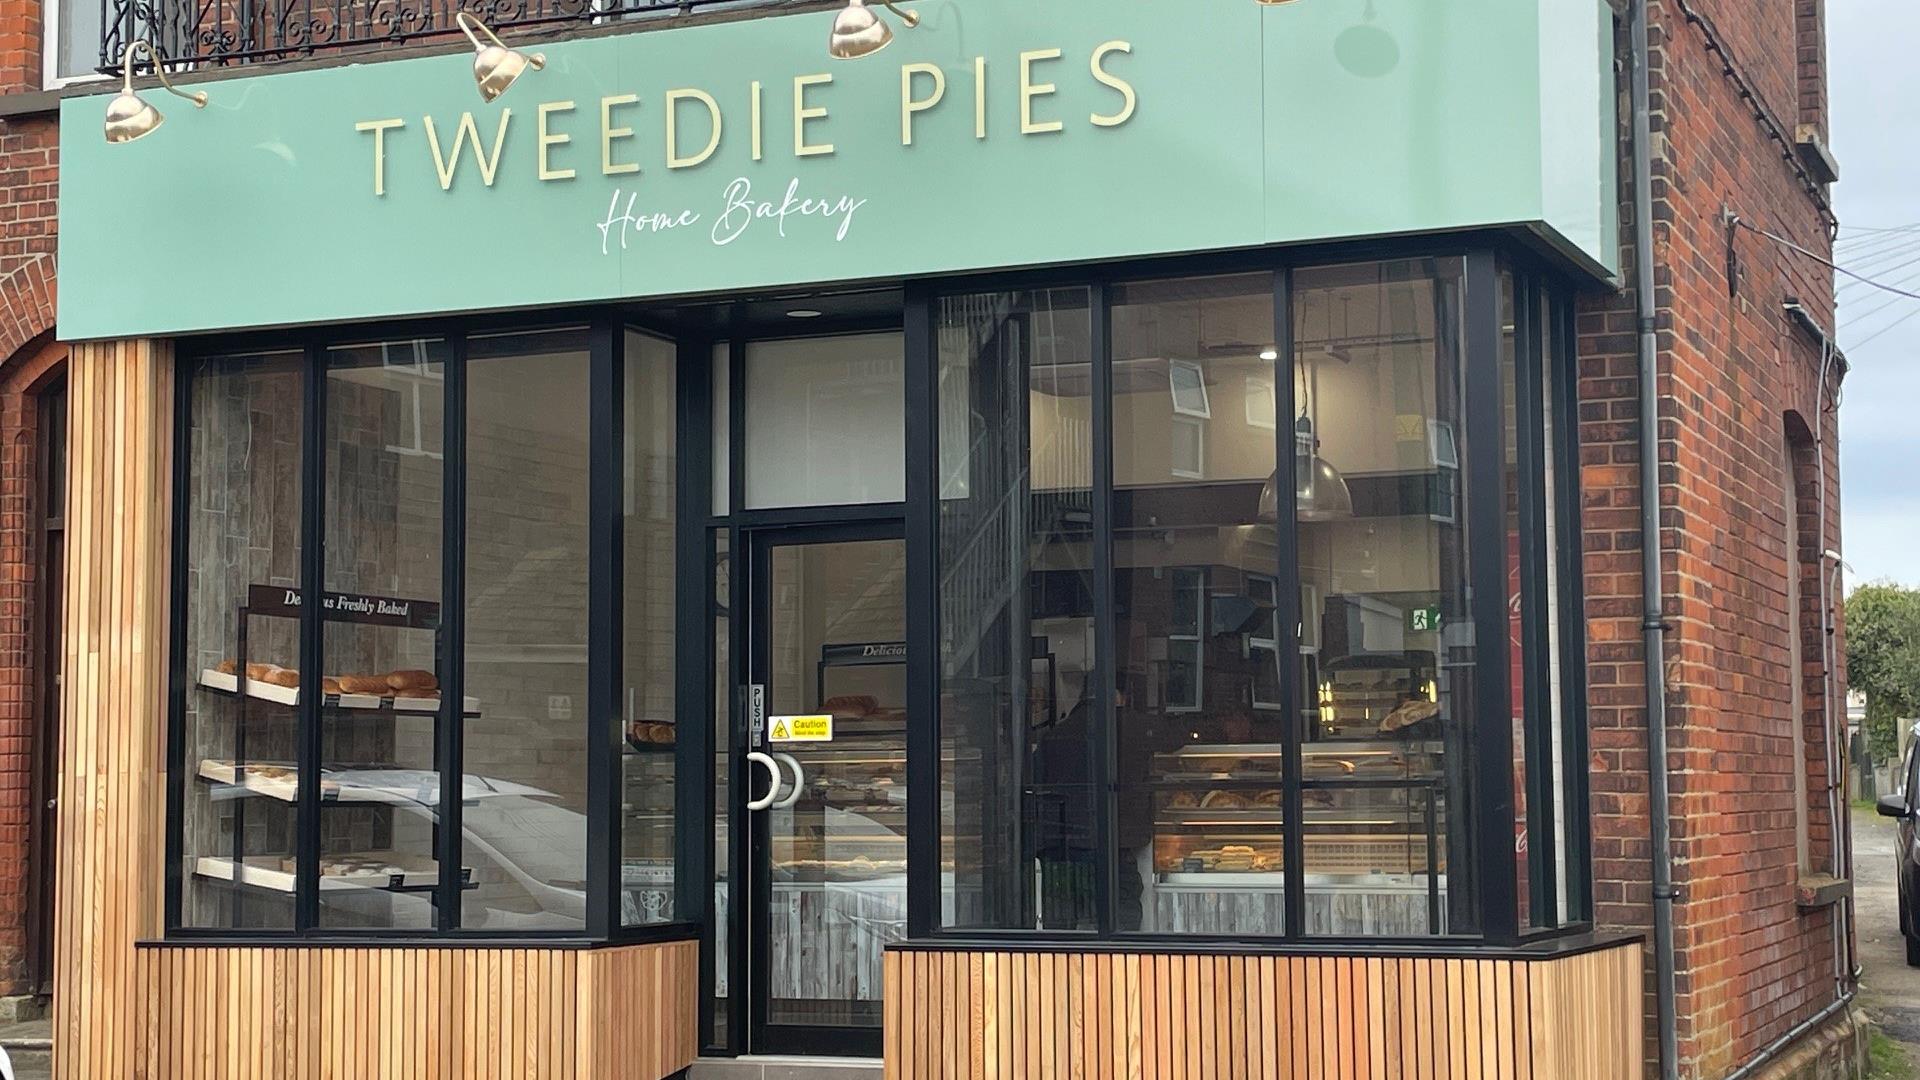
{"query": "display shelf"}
(226, 683)
(418, 788)
(649, 736)
(268, 872)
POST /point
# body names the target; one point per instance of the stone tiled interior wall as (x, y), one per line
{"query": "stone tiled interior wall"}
(242, 521)
(526, 635)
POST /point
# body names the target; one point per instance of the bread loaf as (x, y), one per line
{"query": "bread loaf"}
(280, 676)
(329, 685)
(258, 672)
(228, 667)
(364, 684)
(412, 679)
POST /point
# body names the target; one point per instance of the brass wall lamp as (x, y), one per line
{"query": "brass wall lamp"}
(858, 32)
(495, 66)
(129, 117)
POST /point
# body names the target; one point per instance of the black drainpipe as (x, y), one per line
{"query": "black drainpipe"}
(1653, 625)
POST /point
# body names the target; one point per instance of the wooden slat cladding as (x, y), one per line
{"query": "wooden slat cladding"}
(1002, 1015)
(113, 714)
(227, 1013)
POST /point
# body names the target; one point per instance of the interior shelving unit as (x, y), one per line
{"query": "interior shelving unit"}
(240, 780)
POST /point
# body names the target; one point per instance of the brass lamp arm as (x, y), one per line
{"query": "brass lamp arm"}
(198, 97)
(911, 18)
(466, 22)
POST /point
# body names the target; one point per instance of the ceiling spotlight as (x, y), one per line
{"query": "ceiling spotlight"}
(495, 66)
(129, 117)
(804, 313)
(858, 32)
(1269, 354)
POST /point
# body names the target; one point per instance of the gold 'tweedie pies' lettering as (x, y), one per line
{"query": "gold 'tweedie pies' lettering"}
(923, 90)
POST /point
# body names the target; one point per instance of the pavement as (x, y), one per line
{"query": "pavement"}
(27, 1044)
(1889, 989)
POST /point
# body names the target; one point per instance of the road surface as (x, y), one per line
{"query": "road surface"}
(1889, 989)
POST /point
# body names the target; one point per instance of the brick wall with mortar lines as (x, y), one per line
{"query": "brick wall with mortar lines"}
(29, 360)
(1733, 366)
(21, 379)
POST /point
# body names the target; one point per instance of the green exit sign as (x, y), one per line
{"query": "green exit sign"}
(1423, 620)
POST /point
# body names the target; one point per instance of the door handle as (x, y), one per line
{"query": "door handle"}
(799, 780)
(773, 776)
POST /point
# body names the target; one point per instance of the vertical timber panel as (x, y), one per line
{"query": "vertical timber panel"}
(277, 1013)
(1106, 1014)
(113, 662)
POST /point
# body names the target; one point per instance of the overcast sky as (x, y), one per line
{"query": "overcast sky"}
(1872, 51)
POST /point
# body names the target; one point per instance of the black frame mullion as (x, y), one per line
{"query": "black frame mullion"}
(1286, 527)
(1492, 765)
(1529, 431)
(1564, 388)
(606, 422)
(1105, 664)
(173, 903)
(923, 616)
(693, 657)
(739, 601)
(306, 882)
(450, 741)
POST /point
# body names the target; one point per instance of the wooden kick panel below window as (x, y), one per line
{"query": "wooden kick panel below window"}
(976, 1015)
(626, 1013)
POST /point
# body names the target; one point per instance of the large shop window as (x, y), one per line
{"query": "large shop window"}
(436, 774)
(1212, 656)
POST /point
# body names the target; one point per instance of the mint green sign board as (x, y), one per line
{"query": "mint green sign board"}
(728, 156)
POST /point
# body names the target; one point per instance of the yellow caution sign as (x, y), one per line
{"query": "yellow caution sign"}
(792, 729)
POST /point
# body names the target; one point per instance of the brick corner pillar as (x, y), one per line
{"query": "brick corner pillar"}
(113, 713)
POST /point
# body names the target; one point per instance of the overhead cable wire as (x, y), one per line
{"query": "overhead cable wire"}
(1882, 261)
(1863, 316)
(1819, 258)
(1858, 246)
(1863, 239)
(1886, 274)
(1885, 329)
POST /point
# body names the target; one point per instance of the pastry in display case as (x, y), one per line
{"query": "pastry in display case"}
(1371, 823)
(848, 822)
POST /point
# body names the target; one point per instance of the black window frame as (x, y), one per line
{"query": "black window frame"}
(1486, 257)
(1486, 254)
(606, 330)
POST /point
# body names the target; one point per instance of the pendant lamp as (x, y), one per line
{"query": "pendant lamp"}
(129, 116)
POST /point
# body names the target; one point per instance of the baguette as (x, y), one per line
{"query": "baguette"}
(412, 679)
(364, 684)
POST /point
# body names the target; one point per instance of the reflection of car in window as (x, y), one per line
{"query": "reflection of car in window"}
(521, 849)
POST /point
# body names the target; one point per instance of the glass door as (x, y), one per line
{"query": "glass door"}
(827, 784)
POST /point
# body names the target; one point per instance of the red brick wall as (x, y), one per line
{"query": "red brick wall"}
(1732, 367)
(29, 166)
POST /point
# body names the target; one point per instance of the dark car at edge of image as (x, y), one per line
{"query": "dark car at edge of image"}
(1905, 806)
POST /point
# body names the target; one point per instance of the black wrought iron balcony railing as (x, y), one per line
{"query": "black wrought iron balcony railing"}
(198, 33)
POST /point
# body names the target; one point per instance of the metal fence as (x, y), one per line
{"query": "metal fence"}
(197, 33)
